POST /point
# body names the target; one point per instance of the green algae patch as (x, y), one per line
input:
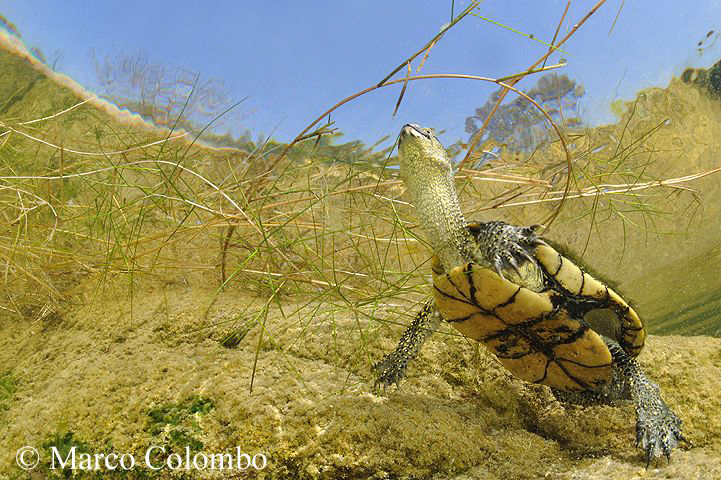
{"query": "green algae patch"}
(8, 387)
(177, 425)
(63, 443)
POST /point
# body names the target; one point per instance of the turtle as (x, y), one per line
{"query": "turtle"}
(546, 319)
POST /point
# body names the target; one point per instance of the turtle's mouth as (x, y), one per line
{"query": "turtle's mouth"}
(411, 129)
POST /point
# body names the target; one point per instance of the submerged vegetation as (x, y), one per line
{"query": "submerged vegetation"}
(92, 203)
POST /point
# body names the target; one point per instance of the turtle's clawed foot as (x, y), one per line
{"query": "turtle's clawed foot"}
(388, 371)
(508, 247)
(658, 430)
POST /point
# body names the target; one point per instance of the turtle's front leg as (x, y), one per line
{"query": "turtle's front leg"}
(393, 366)
(509, 250)
(658, 429)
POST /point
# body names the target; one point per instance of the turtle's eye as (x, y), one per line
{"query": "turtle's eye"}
(429, 132)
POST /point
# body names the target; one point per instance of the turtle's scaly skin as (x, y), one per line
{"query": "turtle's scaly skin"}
(544, 318)
(393, 366)
(658, 429)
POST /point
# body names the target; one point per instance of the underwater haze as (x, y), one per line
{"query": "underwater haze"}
(218, 229)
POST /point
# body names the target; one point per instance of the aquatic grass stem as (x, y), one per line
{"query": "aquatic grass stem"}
(431, 42)
(479, 134)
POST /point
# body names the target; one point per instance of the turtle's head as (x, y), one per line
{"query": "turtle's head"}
(421, 154)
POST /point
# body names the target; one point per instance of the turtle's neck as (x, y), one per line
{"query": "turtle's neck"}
(435, 199)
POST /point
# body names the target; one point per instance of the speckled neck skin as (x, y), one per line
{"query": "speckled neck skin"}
(426, 171)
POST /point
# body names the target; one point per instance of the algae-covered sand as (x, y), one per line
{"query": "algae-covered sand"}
(107, 379)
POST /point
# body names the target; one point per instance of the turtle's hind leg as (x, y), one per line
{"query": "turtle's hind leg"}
(658, 429)
(393, 366)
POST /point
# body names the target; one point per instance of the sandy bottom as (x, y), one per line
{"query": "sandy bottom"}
(122, 376)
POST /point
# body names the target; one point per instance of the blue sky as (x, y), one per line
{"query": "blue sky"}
(296, 58)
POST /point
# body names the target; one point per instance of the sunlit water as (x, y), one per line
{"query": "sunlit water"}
(685, 297)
